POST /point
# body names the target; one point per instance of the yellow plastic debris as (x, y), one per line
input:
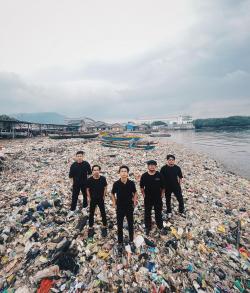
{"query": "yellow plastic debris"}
(103, 254)
(221, 229)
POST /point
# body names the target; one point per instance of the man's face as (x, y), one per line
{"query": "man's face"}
(96, 172)
(152, 168)
(124, 173)
(79, 158)
(171, 162)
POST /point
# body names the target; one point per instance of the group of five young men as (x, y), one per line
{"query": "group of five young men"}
(153, 184)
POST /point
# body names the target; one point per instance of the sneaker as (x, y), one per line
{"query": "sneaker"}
(183, 214)
(169, 215)
(104, 232)
(164, 231)
(84, 211)
(132, 246)
(84, 204)
(71, 214)
(91, 233)
(120, 249)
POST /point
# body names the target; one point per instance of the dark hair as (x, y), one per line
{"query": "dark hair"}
(80, 153)
(170, 156)
(124, 167)
(96, 166)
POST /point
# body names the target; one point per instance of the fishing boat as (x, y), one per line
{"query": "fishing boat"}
(69, 135)
(120, 138)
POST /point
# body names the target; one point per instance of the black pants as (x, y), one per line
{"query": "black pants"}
(100, 203)
(178, 194)
(75, 193)
(121, 214)
(150, 203)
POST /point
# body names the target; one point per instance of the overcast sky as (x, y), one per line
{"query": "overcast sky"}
(128, 59)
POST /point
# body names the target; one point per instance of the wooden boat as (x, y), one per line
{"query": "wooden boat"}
(124, 146)
(6, 134)
(73, 135)
(131, 144)
(160, 135)
(120, 138)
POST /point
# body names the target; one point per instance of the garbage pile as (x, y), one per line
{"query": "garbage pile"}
(42, 250)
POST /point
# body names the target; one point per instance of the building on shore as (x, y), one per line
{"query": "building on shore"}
(169, 123)
(117, 128)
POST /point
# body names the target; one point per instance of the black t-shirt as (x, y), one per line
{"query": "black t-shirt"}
(79, 172)
(96, 187)
(171, 175)
(124, 193)
(152, 184)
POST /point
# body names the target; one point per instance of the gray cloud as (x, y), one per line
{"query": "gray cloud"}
(205, 73)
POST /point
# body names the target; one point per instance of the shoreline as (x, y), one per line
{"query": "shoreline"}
(215, 201)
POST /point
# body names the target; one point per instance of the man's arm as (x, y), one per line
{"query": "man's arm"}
(180, 176)
(88, 195)
(142, 186)
(71, 174)
(143, 192)
(105, 191)
(163, 189)
(89, 171)
(135, 199)
(113, 200)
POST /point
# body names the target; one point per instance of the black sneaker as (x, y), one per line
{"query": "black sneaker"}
(164, 231)
(132, 246)
(91, 233)
(84, 204)
(104, 232)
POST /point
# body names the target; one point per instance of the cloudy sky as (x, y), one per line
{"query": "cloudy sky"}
(117, 59)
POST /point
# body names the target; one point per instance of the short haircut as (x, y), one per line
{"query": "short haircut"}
(80, 153)
(96, 166)
(170, 156)
(124, 167)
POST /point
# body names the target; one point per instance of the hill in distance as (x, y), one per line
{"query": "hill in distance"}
(41, 117)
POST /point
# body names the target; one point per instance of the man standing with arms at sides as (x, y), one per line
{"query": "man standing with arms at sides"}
(78, 173)
(96, 192)
(124, 198)
(152, 189)
(172, 179)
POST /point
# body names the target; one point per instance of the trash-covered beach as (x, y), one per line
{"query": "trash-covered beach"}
(41, 250)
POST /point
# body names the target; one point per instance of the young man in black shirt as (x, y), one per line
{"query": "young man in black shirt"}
(79, 172)
(96, 192)
(152, 189)
(124, 197)
(172, 179)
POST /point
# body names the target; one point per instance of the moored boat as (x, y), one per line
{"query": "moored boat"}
(120, 138)
(159, 135)
(73, 135)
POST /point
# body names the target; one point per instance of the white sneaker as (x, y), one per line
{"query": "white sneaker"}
(169, 215)
(84, 211)
(71, 214)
